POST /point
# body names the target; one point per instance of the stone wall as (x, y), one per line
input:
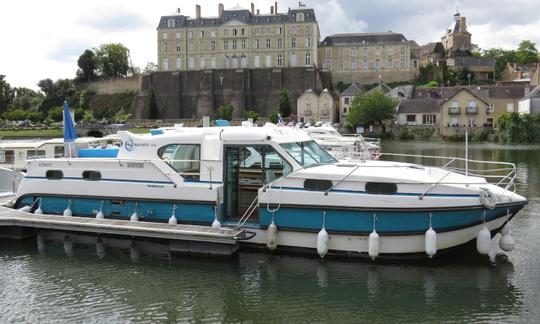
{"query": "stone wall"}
(193, 94)
(115, 86)
(368, 77)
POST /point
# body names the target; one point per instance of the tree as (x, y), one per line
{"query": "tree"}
(112, 60)
(5, 94)
(502, 57)
(150, 67)
(526, 52)
(87, 63)
(284, 104)
(57, 92)
(26, 99)
(371, 109)
(226, 111)
(153, 110)
(56, 114)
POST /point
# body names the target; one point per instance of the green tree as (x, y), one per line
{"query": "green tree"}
(57, 92)
(526, 52)
(150, 67)
(112, 60)
(15, 114)
(284, 104)
(252, 114)
(87, 63)
(34, 116)
(26, 99)
(225, 111)
(342, 86)
(153, 110)
(79, 114)
(274, 116)
(502, 57)
(371, 109)
(88, 117)
(5, 94)
(56, 114)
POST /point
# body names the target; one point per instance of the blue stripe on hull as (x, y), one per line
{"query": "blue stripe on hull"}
(387, 221)
(146, 210)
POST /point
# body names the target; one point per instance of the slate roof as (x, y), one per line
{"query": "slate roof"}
(506, 92)
(353, 90)
(381, 87)
(363, 38)
(414, 106)
(405, 91)
(534, 93)
(239, 14)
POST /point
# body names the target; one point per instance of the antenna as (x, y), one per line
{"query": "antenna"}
(457, 6)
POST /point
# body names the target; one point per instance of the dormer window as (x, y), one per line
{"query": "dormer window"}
(170, 23)
(300, 17)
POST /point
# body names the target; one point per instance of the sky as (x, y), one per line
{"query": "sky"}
(43, 39)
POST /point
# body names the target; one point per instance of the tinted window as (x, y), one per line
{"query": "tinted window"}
(91, 175)
(381, 188)
(54, 174)
(317, 185)
(35, 154)
(184, 158)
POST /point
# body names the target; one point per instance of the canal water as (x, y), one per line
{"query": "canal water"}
(76, 278)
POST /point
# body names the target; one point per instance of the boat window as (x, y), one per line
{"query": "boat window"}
(54, 174)
(7, 156)
(59, 151)
(184, 158)
(91, 175)
(317, 185)
(308, 153)
(35, 154)
(381, 188)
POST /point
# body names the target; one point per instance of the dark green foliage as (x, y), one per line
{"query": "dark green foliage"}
(225, 111)
(284, 104)
(252, 114)
(342, 86)
(79, 114)
(56, 114)
(502, 57)
(87, 63)
(112, 60)
(106, 106)
(516, 128)
(405, 134)
(153, 110)
(26, 99)
(526, 52)
(15, 114)
(57, 92)
(274, 116)
(6, 95)
(371, 109)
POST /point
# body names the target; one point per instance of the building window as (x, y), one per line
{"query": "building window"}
(165, 47)
(234, 62)
(402, 50)
(328, 52)
(201, 45)
(411, 118)
(293, 30)
(429, 119)
(225, 32)
(268, 43)
(164, 36)
(244, 43)
(201, 34)
(191, 63)
(378, 51)
(177, 35)
(213, 62)
(366, 66)
(377, 63)
(165, 64)
(170, 23)
(225, 44)
(190, 45)
(257, 61)
(353, 51)
(415, 64)
(308, 59)
(403, 63)
(268, 60)
(213, 33)
(308, 29)
(293, 59)
(234, 44)
(340, 53)
(257, 44)
(190, 34)
(213, 45)
(364, 50)
(279, 30)
(340, 65)
(328, 64)
(346, 101)
(256, 31)
(510, 107)
(279, 43)
(242, 32)
(202, 62)
(300, 17)
(234, 32)
(390, 50)
(491, 109)
(280, 60)
(178, 63)
(353, 64)
(178, 47)
(243, 61)
(267, 31)
(293, 42)
(390, 63)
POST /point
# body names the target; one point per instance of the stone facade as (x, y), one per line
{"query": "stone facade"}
(346, 98)
(238, 38)
(313, 107)
(368, 57)
(193, 94)
(115, 86)
(463, 109)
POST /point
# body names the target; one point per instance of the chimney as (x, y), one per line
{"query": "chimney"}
(197, 11)
(462, 24)
(275, 7)
(271, 10)
(258, 12)
(252, 8)
(178, 10)
(220, 9)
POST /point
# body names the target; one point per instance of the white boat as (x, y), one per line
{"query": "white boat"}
(344, 147)
(279, 184)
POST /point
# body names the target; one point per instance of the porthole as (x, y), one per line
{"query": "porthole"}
(381, 188)
(317, 185)
(54, 175)
(91, 175)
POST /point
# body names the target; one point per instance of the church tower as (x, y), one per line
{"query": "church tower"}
(457, 40)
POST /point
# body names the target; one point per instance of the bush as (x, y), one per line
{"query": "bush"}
(79, 114)
(405, 134)
(56, 114)
(424, 133)
(226, 111)
(252, 114)
(274, 116)
(34, 116)
(16, 114)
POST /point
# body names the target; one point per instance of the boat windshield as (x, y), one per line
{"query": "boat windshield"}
(308, 153)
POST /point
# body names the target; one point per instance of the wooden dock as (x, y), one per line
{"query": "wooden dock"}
(183, 238)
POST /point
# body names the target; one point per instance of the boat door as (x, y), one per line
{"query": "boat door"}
(247, 168)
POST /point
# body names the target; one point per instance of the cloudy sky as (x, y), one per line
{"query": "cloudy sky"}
(43, 39)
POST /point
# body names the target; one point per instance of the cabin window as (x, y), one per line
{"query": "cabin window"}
(91, 175)
(54, 175)
(59, 151)
(35, 154)
(184, 158)
(7, 156)
(317, 185)
(381, 188)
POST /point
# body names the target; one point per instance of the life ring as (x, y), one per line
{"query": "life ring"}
(487, 198)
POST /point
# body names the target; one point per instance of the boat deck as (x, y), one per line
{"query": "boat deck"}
(217, 241)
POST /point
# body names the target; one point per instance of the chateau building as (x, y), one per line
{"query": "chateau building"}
(368, 57)
(238, 38)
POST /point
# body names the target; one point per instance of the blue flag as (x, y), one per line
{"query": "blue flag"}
(70, 134)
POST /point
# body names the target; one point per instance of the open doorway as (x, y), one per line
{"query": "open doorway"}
(247, 168)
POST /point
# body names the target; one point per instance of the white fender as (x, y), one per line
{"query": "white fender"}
(322, 242)
(39, 210)
(431, 242)
(134, 217)
(271, 236)
(67, 211)
(374, 245)
(506, 243)
(216, 223)
(100, 215)
(174, 221)
(483, 240)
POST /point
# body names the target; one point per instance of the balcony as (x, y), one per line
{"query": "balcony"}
(454, 110)
(472, 110)
(325, 112)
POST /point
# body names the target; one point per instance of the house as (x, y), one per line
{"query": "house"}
(530, 104)
(503, 99)
(432, 53)
(528, 74)
(463, 107)
(313, 107)
(415, 112)
(346, 98)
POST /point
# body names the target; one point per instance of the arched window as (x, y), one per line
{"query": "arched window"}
(300, 17)
(170, 23)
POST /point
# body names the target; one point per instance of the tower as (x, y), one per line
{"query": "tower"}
(457, 40)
